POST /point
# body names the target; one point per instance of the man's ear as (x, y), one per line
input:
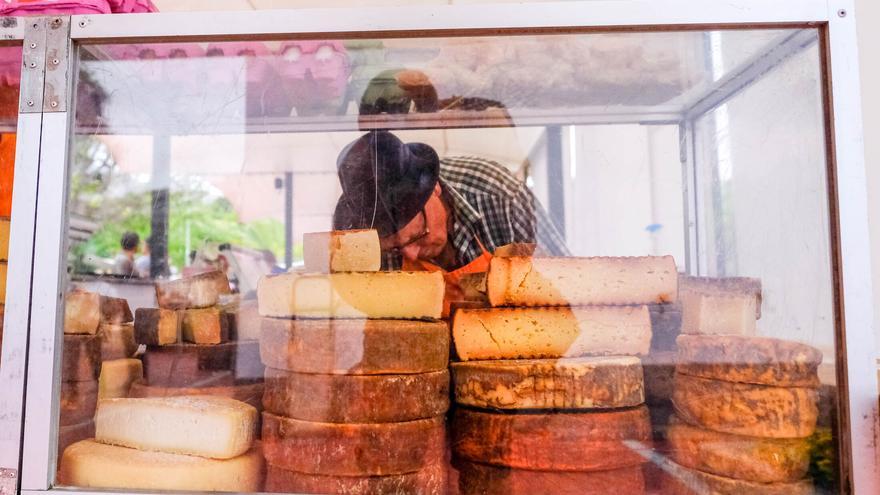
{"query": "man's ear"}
(438, 191)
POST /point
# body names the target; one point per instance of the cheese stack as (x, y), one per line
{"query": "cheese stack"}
(357, 384)
(176, 443)
(193, 345)
(744, 407)
(560, 344)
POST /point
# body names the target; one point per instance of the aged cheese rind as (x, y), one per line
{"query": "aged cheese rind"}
(582, 441)
(355, 347)
(115, 310)
(356, 398)
(199, 291)
(157, 326)
(756, 360)
(392, 295)
(215, 427)
(82, 312)
(679, 480)
(353, 449)
(568, 383)
(528, 281)
(205, 326)
(89, 464)
(78, 402)
(746, 409)
(251, 393)
(69, 435)
(483, 479)
(342, 251)
(530, 333)
(81, 358)
(194, 365)
(117, 341)
(431, 480)
(117, 376)
(763, 460)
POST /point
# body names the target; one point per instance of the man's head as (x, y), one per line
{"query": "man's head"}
(394, 188)
(129, 241)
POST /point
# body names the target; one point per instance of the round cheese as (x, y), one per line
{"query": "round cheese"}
(679, 480)
(762, 361)
(196, 365)
(78, 402)
(69, 435)
(356, 398)
(483, 479)
(251, 393)
(353, 449)
(763, 460)
(354, 347)
(572, 383)
(583, 441)
(746, 409)
(81, 358)
(431, 480)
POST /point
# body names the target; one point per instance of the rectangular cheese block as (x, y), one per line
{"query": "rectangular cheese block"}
(215, 427)
(528, 333)
(82, 312)
(81, 358)
(528, 281)
(115, 310)
(89, 464)
(157, 326)
(342, 251)
(205, 326)
(710, 314)
(199, 291)
(117, 341)
(393, 295)
(4, 239)
(3, 270)
(724, 286)
(117, 375)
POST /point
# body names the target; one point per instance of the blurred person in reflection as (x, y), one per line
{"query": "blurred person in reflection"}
(142, 262)
(123, 264)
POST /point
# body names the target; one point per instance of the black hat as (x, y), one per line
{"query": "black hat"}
(385, 183)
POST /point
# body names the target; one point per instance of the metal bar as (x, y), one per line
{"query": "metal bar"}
(600, 13)
(161, 185)
(288, 220)
(33, 67)
(689, 196)
(555, 178)
(57, 64)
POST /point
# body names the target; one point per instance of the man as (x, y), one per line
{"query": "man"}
(123, 264)
(434, 214)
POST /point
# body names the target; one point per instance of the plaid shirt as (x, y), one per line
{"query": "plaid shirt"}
(490, 204)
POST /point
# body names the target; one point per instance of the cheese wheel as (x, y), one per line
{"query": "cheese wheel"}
(69, 435)
(251, 393)
(679, 480)
(89, 464)
(530, 333)
(78, 402)
(584, 441)
(115, 310)
(762, 460)
(356, 398)
(430, 480)
(483, 479)
(763, 361)
(355, 347)
(117, 341)
(569, 281)
(194, 365)
(746, 409)
(659, 367)
(81, 358)
(199, 291)
(569, 383)
(353, 449)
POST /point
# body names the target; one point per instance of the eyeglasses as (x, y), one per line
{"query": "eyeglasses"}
(398, 250)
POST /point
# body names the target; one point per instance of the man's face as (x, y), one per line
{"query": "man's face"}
(424, 237)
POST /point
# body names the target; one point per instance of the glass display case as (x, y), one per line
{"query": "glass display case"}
(537, 248)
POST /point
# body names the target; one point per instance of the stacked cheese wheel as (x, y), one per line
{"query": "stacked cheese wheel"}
(98, 344)
(357, 384)
(550, 395)
(193, 346)
(176, 443)
(744, 409)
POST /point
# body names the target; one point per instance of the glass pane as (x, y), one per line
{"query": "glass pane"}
(10, 80)
(606, 222)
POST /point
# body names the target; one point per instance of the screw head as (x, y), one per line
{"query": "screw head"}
(841, 13)
(33, 65)
(55, 61)
(53, 104)
(30, 103)
(33, 45)
(82, 24)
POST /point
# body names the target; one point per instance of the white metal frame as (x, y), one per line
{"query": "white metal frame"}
(856, 368)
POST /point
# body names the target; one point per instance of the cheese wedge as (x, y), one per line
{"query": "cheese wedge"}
(205, 326)
(215, 427)
(157, 326)
(117, 341)
(528, 333)
(199, 291)
(89, 464)
(528, 281)
(393, 295)
(82, 312)
(4, 240)
(117, 376)
(342, 251)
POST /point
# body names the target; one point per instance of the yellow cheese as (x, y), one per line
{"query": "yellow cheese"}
(215, 427)
(82, 312)
(713, 314)
(4, 240)
(529, 333)
(392, 295)
(342, 251)
(90, 464)
(3, 268)
(117, 375)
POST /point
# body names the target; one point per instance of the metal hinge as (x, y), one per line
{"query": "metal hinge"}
(33, 66)
(57, 64)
